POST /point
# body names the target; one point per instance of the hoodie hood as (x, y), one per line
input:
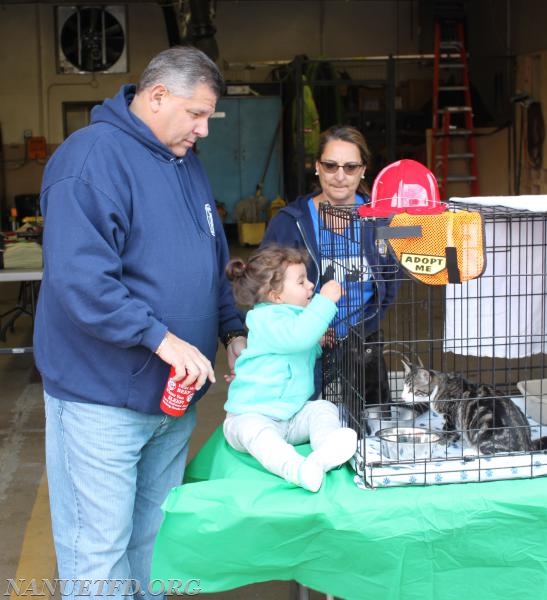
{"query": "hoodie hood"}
(115, 111)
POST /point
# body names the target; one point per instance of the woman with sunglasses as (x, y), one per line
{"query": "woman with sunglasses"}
(341, 163)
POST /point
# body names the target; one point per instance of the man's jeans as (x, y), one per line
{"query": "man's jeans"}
(109, 469)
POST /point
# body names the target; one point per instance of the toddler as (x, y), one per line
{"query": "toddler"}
(267, 407)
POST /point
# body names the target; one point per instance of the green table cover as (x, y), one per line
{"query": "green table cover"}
(233, 524)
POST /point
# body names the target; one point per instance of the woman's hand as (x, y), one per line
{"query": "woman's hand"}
(234, 349)
(329, 338)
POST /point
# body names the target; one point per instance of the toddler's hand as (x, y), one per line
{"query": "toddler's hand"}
(331, 290)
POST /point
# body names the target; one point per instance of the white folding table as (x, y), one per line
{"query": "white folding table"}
(26, 303)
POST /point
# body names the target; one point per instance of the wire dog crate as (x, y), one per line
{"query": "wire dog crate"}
(491, 330)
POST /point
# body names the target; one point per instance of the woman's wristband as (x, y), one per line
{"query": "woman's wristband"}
(231, 335)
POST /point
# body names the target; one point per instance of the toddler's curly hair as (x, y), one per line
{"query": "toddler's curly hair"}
(263, 272)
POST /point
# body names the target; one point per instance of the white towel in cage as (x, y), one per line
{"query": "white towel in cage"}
(503, 314)
(452, 464)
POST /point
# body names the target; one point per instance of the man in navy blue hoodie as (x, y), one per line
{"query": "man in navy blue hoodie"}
(133, 283)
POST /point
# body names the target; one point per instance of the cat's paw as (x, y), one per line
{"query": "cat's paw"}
(449, 437)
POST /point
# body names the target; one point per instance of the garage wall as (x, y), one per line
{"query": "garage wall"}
(252, 35)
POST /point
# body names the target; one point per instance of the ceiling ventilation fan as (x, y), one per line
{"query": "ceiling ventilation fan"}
(91, 39)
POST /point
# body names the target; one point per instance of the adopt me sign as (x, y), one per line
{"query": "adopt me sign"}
(423, 263)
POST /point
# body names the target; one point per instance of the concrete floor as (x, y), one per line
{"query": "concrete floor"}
(26, 551)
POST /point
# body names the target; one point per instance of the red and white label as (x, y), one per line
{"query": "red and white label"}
(176, 397)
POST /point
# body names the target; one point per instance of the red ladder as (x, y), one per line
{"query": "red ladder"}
(453, 148)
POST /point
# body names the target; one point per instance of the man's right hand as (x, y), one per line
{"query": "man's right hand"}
(191, 366)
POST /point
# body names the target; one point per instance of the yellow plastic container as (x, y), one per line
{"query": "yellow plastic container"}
(275, 205)
(251, 233)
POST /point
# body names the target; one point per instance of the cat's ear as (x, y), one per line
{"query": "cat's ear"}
(422, 376)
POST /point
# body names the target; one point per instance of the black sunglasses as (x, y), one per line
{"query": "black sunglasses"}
(350, 168)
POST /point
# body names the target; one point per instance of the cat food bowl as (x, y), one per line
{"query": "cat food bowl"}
(407, 443)
(383, 416)
(377, 416)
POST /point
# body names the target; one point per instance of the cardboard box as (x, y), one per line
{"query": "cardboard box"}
(372, 98)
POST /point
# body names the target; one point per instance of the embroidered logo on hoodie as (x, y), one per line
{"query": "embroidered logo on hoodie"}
(209, 216)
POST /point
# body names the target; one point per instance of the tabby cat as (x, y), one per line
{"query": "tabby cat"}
(488, 421)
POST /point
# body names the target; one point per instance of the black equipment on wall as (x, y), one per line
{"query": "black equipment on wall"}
(191, 23)
(91, 39)
(201, 31)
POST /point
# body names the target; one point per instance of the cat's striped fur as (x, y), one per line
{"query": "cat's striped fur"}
(487, 420)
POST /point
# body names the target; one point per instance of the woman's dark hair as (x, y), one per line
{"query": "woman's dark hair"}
(347, 133)
(263, 272)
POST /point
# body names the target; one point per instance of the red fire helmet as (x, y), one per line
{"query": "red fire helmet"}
(404, 186)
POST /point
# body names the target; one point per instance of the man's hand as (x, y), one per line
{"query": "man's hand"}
(191, 366)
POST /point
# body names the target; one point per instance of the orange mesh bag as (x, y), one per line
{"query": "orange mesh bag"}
(439, 249)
